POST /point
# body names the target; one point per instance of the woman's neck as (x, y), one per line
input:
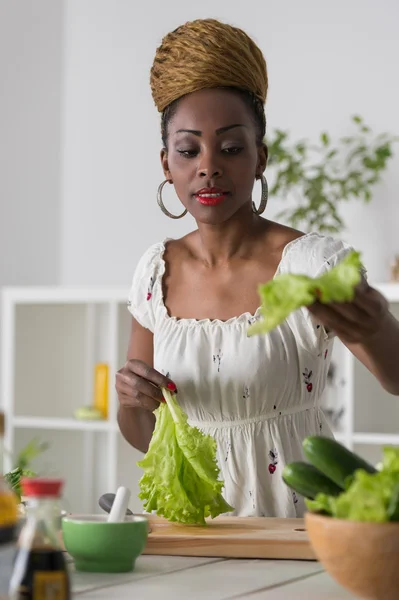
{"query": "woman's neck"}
(220, 243)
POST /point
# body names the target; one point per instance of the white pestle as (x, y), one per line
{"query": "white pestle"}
(119, 506)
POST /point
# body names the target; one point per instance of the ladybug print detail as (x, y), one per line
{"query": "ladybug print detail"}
(273, 456)
(307, 376)
(149, 289)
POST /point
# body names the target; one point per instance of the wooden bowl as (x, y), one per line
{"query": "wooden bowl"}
(362, 557)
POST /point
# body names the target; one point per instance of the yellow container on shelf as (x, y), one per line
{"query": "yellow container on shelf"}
(8, 500)
(101, 392)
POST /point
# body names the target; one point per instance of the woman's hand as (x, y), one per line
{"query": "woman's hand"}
(354, 322)
(138, 386)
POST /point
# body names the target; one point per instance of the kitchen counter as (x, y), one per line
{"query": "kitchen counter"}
(174, 577)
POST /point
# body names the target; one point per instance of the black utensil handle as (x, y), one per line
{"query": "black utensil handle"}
(106, 501)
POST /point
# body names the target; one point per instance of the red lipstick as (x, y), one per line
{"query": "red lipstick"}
(211, 196)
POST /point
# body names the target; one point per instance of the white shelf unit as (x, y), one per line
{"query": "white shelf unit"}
(371, 415)
(51, 338)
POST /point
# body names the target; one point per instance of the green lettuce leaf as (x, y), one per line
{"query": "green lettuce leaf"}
(180, 480)
(321, 504)
(369, 497)
(289, 292)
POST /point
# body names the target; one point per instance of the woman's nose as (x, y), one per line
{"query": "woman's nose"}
(209, 166)
(211, 173)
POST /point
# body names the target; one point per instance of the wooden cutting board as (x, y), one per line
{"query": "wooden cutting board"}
(231, 537)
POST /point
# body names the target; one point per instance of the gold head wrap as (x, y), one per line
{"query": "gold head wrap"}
(206, 54)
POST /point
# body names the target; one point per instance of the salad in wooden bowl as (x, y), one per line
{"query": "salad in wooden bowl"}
(353, 515)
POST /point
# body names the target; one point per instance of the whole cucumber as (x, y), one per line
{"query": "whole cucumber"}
(308, 481)
(393, 508)
(333, 459)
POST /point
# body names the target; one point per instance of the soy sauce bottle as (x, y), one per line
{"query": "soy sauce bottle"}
(40, 571)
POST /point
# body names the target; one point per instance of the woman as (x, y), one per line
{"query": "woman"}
(193, 298)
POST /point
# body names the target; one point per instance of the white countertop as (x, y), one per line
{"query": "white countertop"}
(173, 577)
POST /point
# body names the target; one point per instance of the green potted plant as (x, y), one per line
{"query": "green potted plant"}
(23, 463)
(319, 177)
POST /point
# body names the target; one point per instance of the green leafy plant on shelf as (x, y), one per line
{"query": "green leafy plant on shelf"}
(23, 463)
(319, 177)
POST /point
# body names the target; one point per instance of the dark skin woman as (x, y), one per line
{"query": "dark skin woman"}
(213, 154)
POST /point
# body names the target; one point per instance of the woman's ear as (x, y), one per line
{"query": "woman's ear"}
(263, 154)
(165, 164)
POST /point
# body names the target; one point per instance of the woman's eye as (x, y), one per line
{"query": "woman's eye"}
(188, 153)
(232, 150)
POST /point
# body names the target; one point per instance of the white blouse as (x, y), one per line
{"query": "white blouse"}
(258, 397)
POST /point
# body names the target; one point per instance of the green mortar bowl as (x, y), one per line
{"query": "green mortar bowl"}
(101, 547)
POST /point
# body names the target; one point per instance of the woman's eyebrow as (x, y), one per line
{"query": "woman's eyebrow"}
(198, 133)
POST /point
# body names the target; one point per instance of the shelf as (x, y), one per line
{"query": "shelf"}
(85, 295)
(65, 295)
(388, 439)
(94, 326)
(62, 424)
(371, 439)
(389, 290)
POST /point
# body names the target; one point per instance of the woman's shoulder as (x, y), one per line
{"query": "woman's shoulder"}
(310, 253)
(151, 256)
(156, 256)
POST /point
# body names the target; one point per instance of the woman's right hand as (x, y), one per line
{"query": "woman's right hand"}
(139, 386)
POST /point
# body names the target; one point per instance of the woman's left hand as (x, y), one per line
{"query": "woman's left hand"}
(357, 321)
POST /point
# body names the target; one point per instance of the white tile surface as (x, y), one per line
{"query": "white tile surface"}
(317, 587)
(213, 581)
(146, 566)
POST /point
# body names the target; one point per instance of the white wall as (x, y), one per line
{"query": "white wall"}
(326, 62)
(79, 134)
(30, 125)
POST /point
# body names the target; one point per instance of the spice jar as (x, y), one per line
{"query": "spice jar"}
(8, 500)
(40, 570)
(8, 523)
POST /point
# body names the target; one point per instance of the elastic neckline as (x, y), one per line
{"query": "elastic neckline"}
(237, 320)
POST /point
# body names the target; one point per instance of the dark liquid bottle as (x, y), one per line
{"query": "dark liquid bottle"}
(40, 570)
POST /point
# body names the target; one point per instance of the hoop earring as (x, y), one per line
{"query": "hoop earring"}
(264, 197)
(162, 206)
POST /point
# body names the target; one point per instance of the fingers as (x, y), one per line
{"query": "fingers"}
(371, 302)
(138, 386)
(146, 372)
(357, 320)
(136, 401)
(346, 310)
(350, 325)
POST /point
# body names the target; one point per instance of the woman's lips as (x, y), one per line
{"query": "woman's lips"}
(211, 197)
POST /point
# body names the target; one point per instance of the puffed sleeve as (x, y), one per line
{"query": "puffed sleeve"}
(143, 293)
(314, 255)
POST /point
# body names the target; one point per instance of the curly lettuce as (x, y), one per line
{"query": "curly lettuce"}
(181, 476)
(369, 497)
(289, 292)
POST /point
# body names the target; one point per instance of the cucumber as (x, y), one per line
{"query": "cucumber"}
(333, 459)
(393, 508)
(308, 481)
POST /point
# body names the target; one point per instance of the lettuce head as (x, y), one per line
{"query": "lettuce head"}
(369, 497)
(181, 476)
